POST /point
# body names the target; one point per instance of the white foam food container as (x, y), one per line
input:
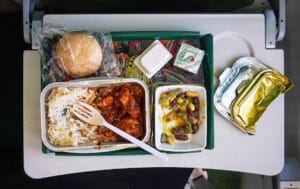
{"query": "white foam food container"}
(90, 147)
(196, 141)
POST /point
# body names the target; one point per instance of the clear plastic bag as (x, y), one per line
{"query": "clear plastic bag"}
(67, 55)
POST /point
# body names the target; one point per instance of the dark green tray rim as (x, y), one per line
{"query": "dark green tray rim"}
(206, 44)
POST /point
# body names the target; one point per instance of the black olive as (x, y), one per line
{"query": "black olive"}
(181, 137)
(178, 130)
(173, 104)
(196, 103)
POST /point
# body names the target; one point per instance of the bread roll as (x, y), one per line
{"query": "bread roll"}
(78, 54)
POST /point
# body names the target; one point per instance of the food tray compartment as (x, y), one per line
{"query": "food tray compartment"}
(89, 146)
(164, 122)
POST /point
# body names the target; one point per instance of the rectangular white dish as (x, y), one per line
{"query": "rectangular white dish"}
(195, 141)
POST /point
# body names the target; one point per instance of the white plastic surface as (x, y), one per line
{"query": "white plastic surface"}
(235, 35)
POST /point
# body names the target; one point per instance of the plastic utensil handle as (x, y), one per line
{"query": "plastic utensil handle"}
(139, 143)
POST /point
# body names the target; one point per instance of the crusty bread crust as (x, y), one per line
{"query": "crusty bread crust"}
(78, 54)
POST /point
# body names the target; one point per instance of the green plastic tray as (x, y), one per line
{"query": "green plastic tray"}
(206, 44)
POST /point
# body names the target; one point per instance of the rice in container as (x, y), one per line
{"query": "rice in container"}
(85, 134)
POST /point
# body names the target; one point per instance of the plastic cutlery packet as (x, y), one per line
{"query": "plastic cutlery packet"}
(246, 90)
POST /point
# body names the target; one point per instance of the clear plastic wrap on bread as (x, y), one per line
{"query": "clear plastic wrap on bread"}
(67, 54)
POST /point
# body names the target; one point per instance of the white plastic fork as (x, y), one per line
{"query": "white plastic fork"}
(92, 116)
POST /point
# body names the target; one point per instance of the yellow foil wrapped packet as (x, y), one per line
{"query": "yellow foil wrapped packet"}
(246, 90)
(254, 99)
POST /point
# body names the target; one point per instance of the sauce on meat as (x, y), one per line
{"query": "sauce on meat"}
(121, 106)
